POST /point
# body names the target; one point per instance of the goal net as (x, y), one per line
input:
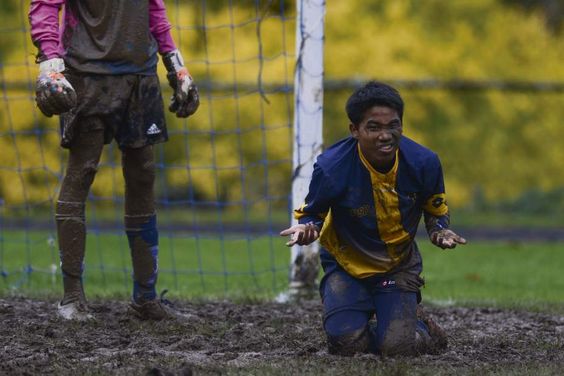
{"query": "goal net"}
(223, 179)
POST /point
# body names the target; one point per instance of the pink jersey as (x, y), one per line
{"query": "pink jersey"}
(102, 36)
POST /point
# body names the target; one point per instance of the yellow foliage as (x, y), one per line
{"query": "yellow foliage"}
(501, 144)
(237, 147)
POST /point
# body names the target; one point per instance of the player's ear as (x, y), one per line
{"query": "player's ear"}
(353, 128)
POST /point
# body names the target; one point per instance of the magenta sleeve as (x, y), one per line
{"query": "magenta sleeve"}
(160, 27)
(44, 24)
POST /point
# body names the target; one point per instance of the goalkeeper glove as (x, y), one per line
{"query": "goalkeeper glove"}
(185, 100)
(53, 93)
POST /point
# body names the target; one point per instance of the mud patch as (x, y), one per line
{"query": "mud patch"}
(260, 338)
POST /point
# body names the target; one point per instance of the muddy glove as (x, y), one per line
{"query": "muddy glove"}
(446, 238)
(185, 100)
(53, 93)
(301, 234)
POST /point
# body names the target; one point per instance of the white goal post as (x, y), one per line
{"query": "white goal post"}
(308, 130)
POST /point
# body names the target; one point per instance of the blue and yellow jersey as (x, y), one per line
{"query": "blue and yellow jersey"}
(369, 219)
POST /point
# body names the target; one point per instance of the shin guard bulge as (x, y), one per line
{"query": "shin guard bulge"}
(143, 243)
(71, 232)
(140, 220)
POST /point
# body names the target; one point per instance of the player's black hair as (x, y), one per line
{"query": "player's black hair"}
(372, 94)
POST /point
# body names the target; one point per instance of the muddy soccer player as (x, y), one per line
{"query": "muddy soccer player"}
(366, 197)
(98, 71)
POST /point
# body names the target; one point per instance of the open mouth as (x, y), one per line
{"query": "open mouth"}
(388, 148)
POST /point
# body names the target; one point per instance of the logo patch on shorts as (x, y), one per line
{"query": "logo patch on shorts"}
(153, 129)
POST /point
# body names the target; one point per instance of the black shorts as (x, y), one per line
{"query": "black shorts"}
(129, 108)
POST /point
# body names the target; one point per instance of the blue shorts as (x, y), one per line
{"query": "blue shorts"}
(351, 304)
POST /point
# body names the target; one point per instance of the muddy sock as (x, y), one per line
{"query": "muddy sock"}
(71, 232)
(73, 289)
(143, 238)
(84, 155)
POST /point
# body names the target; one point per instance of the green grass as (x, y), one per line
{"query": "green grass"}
(491, 274)
(506, 218)
(190, 267)
(504, 274)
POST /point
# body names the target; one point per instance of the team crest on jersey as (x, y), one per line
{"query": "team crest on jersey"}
(362, 211)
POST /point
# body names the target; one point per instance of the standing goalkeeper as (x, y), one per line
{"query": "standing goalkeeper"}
(367, 195)
(98, 71)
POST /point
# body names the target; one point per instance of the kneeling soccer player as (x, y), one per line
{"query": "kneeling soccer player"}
(366, 198)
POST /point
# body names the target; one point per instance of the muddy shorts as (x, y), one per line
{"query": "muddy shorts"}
(129, 108)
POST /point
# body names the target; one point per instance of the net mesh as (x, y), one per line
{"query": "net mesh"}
(223, 179)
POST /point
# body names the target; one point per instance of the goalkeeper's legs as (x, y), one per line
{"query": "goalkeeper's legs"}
(71, 228)
(140, 220)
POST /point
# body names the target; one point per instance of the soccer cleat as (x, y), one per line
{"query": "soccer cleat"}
(77, 311)
(437, 338)
(151, 310)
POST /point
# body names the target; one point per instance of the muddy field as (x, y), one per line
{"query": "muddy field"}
(261, 338)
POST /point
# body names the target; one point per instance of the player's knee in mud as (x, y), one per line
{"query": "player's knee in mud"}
(398, 347)
(399, 339)
(348, 344)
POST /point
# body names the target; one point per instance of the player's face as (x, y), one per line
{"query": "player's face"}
(378, 135)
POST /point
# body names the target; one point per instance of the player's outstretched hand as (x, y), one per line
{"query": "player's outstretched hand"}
(446, 239)
(186, 99)
(54, 95)
(302, 234)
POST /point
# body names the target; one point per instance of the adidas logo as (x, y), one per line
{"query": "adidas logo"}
(153, 129)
